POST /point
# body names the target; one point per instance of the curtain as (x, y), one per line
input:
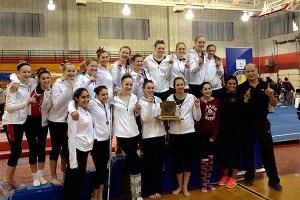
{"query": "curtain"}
(213, 31)
(121, 28)
(22, 24)
(278, 25)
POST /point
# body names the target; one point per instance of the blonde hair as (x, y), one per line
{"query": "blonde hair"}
(65, 64)
(199, 36)
(89, 60)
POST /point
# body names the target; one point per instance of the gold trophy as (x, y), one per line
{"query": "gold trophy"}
(167, 111)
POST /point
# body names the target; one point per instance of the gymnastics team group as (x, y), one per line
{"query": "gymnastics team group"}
(217, 114)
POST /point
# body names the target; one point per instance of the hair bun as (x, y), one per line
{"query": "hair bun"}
(63, 63)
(100, 49)
(42, 69)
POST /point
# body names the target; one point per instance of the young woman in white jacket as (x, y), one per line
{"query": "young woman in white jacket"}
(103, 75)
(153, 141)
(13, 123)
(126, 108)
(87, 79)
(62, 92)
(196, 57)
(157, 67)
(121, 66)
(179, 66)
(37, 117)
(139, 74)
(80, 143)
(100, 110)
(181, 135)
(213, 71)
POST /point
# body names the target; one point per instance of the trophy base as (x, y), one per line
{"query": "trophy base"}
(170, 118)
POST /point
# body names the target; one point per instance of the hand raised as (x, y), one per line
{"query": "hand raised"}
(150, 99)
(200, 62)
(138, 107)
(92, 78)
(269, 92)
(32, 99)
(197, 102)
(247, 95)
(69, 83)
(218, 63)
(171, 61)
(120, 64)
(187, 64)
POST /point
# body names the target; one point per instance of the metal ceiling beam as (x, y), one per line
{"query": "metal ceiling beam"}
(217, 6)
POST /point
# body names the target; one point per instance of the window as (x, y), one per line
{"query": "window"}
(123, 28)
(213, 31)
(21, 24)
(278, 25)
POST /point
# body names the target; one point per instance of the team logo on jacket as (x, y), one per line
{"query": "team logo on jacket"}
(210, 112)
(232, 100)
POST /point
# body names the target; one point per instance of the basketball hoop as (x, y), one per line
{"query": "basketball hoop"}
(273, 7)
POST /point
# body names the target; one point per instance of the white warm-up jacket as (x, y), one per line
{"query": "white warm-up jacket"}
(178, 69)
(213, 73)
(124, 117)
(60, 97)
(16, 105)
(197, 72)
(104, 77)
(83, 81)
(118, 73)
(188, 113)
(158, 73)
(80, 135)
(151, 126)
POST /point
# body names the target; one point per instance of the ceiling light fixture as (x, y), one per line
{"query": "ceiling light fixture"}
(126, 10)
(295, 27)
(245, 17)
(51, 5)
(189, 14)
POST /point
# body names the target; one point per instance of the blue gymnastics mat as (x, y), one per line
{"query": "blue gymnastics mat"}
(285, 124)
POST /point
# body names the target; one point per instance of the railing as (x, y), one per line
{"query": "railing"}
(55, 56)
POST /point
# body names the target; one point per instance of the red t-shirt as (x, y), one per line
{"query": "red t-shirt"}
(36, 107)
(209, 122)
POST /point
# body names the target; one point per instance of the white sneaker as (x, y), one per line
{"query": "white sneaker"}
(36, 179)
(41, 177)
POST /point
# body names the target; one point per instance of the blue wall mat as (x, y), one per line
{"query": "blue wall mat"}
(4, 76)
(232, 54)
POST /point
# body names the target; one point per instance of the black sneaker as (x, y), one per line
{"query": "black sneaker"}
(275, 185)
(248, 182)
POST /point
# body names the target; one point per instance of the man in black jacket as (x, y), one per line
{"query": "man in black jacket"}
(257, 126)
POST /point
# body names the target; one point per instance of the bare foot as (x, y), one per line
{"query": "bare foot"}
(63, 168)
(157, 195)
(177, 191)
(186, 193)
(56, 182)
(63, 165)
(152, 196)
